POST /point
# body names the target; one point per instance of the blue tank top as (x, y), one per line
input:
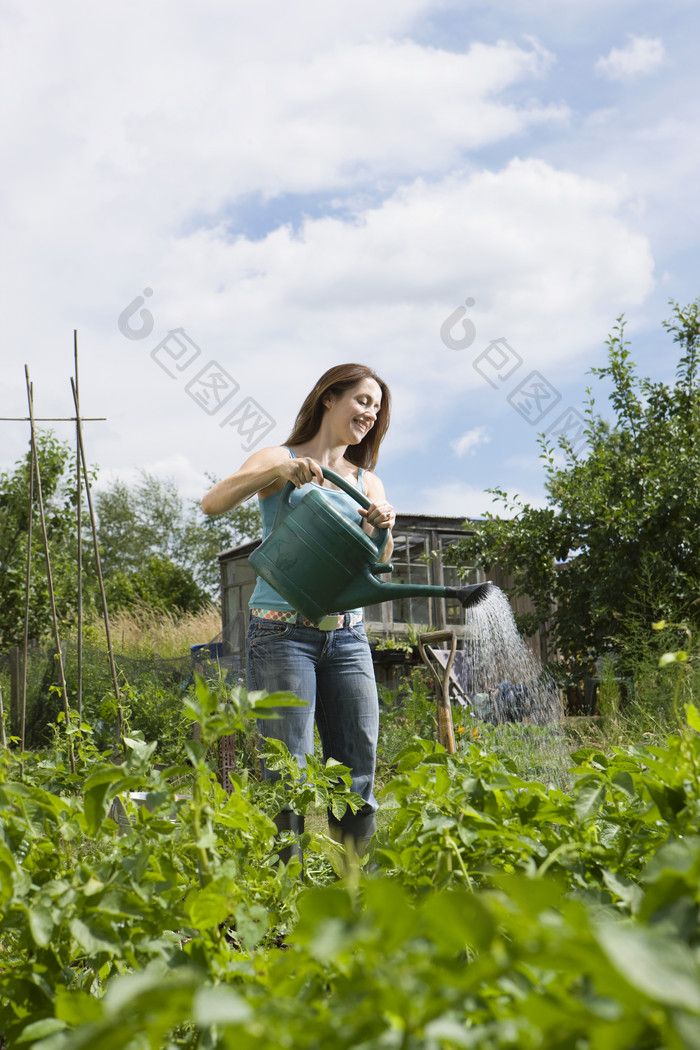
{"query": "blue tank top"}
(264, 596)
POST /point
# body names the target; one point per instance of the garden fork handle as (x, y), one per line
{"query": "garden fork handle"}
(444, 706)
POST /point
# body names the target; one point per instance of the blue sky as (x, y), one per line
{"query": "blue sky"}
(300, 185)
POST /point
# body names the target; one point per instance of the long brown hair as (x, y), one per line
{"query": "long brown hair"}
(336, 381)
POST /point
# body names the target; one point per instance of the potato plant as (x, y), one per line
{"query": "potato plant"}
(492, 912)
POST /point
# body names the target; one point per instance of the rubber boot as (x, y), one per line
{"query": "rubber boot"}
(355, 834)
(288, 820)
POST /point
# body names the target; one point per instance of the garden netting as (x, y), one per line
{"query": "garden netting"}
(151, 686)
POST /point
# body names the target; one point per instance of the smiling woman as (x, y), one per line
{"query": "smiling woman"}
(339, 426)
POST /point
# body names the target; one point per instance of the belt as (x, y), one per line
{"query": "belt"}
(328, 623)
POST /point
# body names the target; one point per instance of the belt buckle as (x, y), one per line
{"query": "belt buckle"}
(328, 623)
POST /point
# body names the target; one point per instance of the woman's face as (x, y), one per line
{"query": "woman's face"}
(355, 411)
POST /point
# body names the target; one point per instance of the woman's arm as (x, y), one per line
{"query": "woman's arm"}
(380, 514)
(264, 472)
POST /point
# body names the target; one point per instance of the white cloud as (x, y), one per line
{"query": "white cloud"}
(548, 256)
(470, 441)
(130, 140)
(181, 130)
(640, 57)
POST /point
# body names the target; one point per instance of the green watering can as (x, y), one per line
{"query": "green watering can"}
(323, 563)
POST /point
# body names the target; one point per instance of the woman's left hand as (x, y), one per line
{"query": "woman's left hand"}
(379, 515)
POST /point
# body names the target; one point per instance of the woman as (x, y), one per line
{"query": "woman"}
(340, 426)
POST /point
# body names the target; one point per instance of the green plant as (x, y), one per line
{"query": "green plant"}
(608, 691)
(502, 911)
(508, 916)
(541, 753)
(685, 661)
(619, 543)
(56, 464)
(393, 642)
(404, 714)
(192, 872)
(414, 630)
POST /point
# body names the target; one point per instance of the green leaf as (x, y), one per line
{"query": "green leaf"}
(93, 886)
(94, 807)
(459, 919)
(628, 892)
(339, 806)
(662, 968)
(40, 1029)
(41, 925)
(677, 857)
(196, 751)
(693, 716)
(589, 799)
(92, 940)
(284, 698)
(104, 775)
(625, 782)
(76, 1007)
(139, 748)
(207, 908)
(220, 1006)
(251, 924)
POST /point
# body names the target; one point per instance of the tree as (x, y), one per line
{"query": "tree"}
(153, 547)
(156, 548)
(206, 537)
(57, 468)
(159, 583)
(618, 545)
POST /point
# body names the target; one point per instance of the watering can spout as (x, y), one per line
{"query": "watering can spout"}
(472, 594)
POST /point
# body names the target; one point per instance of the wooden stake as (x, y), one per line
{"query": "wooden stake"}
(98, 566)
(79, 520)
(2, 721)
(49, 577)
(15, 691)
(27, 588)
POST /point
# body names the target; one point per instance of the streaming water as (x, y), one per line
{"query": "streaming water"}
(510, 690)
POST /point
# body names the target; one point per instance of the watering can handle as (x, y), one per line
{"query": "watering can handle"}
(349, 489)
(360, 497)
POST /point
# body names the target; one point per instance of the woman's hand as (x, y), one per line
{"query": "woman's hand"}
(379, 515)
(301, 471)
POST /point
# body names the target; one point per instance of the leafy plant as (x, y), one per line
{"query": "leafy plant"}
(177, 880)
(500, 911)
(57, 467)
(618, 545)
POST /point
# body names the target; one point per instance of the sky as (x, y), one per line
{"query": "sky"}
(223, 199)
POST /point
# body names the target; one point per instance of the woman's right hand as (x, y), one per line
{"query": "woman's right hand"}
(301, 471)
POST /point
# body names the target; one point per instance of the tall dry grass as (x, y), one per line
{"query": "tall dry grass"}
(141, 631)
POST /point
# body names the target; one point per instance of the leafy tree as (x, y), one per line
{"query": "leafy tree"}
(160, 584)
(57, 468)
(153, 546)
(206, 537)
(157, 548)
(618, 545)
(139, 520)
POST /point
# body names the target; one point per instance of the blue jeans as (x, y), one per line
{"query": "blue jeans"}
(333, 672)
